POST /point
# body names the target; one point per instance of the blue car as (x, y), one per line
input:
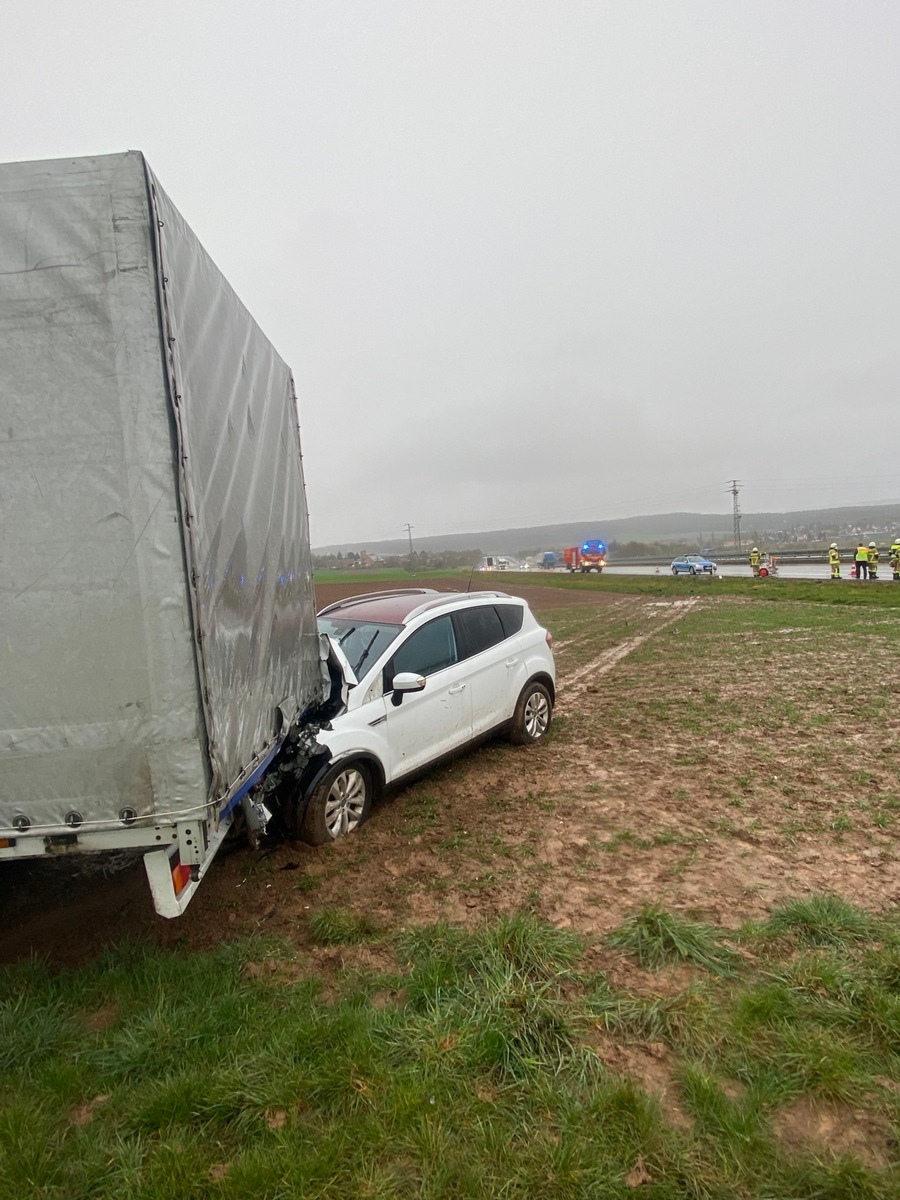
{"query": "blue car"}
(693, 564)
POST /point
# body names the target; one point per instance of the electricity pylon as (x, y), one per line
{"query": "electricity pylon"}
(736, 514)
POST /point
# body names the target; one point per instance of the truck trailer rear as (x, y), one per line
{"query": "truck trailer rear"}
(159, 645)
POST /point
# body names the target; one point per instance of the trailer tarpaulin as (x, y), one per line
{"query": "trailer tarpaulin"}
(244, 501)
(155, 590)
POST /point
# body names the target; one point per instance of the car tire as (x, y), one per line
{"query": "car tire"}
(338, 804)
(675, 571)
(693, 571)
(532, 715)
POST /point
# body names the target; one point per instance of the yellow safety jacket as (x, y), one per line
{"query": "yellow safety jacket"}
(862, 554)
(754, 558)
(873, 556)
(834, 557)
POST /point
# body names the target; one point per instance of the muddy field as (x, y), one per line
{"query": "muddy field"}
(711, 755)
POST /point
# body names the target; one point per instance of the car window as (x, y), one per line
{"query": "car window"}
(512, 616)
(477, 629)
(429, 649)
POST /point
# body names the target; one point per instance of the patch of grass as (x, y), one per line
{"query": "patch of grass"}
(820, 921)
(306, 883)
(656, 938)
(341, 927)
(29, 1030)
(456, 841)
(626, 837)
(694, 756)
(421, 809)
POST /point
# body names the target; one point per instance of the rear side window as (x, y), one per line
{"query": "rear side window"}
(429, 649)
(478, 629)
(512, 616)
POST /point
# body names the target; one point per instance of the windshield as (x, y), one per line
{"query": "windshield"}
(361, 641)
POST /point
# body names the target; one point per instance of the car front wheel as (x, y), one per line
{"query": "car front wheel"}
(532, 716)
(339, 803)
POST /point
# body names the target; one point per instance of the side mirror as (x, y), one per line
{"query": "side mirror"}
(406, 681)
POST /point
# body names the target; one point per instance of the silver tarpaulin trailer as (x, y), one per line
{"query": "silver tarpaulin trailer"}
(157, 630)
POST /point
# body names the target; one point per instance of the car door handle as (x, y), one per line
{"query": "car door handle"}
(454, 691)
(512, 662)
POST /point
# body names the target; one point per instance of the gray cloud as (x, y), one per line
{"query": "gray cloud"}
(530, 262)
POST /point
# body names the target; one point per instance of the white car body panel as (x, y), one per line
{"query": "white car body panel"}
(428, 724)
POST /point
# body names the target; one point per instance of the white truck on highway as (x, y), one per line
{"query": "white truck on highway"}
(158, 644)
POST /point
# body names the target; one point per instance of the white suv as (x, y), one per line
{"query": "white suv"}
(422, 674)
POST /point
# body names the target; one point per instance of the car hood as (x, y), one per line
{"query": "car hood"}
(331, 650)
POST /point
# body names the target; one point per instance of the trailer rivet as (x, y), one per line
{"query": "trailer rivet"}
(74, 819)
(21, 823)
(127, 816)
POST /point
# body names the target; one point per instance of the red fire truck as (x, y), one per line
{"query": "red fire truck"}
(589, 556)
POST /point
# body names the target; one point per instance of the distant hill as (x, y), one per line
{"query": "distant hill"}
(705, 528)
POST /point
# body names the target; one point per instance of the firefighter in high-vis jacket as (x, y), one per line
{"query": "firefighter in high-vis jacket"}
(755, 557)
(895, 557)
(834, 560)
(873, 561)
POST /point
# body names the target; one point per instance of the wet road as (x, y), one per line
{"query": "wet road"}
(739, 571)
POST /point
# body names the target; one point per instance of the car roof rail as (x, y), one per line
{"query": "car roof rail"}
(348, 600)
(445, 597)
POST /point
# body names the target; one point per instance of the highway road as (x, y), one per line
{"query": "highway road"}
(741, 571)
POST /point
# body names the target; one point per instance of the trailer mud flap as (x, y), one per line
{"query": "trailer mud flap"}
(172, 881)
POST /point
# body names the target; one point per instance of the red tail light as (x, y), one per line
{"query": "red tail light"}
(181, 877)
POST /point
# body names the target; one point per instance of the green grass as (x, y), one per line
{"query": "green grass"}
(663, 585)
(822, 921)
(341, 927)
(473, 1070)
(658, 938)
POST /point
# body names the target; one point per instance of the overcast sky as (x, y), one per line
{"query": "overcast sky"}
(531, 260)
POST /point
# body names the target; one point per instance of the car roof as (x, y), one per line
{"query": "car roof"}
(401, 605)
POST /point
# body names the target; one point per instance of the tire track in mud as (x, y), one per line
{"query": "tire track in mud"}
(575, 684)
(625, 603)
